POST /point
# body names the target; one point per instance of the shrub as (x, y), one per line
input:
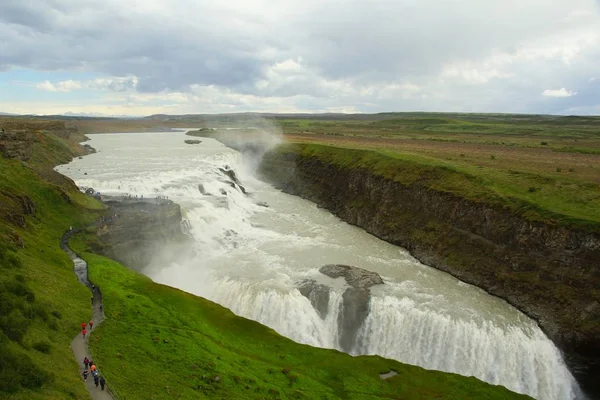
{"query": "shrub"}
(492, 157)
(532, 189)
(571, 170)
(15, 325)
(544, 143)
(558, 169)
(42, 347)
(17, 371)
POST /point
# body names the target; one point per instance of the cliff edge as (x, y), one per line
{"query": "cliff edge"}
(550, 272)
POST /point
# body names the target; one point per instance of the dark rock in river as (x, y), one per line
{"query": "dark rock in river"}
(201, 189)
(317, 293)
(193, 141)
(355, 300)
(356, 277)
(354, 311)
(231, 174)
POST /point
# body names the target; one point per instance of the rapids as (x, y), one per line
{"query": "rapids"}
(250, 257)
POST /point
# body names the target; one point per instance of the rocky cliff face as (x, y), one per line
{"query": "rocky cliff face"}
(143, 234)
(551, 273)
(356, 299)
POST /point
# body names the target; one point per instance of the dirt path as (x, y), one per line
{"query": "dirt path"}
(79, 344)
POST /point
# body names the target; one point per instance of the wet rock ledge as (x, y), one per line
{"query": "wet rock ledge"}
(356, 299)
(143, 233)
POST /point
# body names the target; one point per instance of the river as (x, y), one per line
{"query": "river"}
(250, 258)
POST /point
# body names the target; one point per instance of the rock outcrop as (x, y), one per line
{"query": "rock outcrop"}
(550, 272)
(317, 293)
(358, 278)
(17, 144)
(193, 141)
(235, 182)
(354, 308)
(141, 234)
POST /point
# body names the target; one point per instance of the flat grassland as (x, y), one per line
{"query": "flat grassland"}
(545, 168)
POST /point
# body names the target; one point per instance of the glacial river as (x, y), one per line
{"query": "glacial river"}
(250, 257)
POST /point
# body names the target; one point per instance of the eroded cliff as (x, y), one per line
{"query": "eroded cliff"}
(142, 234)
(550, 272)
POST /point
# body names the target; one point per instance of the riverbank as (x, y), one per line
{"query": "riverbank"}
(549, 271)
(156, 341)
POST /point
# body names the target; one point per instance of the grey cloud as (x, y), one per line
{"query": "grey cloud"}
(365, 44)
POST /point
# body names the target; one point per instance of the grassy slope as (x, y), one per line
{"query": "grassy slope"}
(559, 200)
(51, 303)
(159, 342)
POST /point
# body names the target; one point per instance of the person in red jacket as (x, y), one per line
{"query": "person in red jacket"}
(83, 332)
(83, 324)
(91, 324)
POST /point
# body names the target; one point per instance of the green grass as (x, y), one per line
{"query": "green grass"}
(40, 295)
(159, 342)
(556, 200)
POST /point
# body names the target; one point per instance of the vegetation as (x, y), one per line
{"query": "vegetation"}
(490, 158)
(41, 302)
(157, 342)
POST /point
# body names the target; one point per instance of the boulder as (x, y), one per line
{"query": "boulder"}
(356, 300)
(358, 278)
(193, 141)
(317, 293)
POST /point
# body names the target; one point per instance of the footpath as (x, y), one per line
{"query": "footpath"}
(79, 343)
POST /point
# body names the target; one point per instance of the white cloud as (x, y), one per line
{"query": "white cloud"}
(46, 85)
(117, 84)
(562, 92)
(373, 56)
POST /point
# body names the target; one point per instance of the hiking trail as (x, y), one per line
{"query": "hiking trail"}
(79, 344)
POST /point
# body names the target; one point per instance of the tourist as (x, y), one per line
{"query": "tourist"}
(86, 362)
(102, 382)
(93, 367)
(83, 332)
(85, 375)
(91, 325)
(96, 379)
(83, 325)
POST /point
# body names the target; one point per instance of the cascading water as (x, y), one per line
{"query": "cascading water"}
(252, 250)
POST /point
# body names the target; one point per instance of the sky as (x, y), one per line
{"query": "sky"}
(142, 57)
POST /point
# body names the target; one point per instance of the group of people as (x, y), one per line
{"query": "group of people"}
(84, 326)
(98, 380)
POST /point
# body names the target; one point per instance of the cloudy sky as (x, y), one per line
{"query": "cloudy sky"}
(139, 57)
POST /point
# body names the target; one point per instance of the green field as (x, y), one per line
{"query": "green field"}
(543, 168)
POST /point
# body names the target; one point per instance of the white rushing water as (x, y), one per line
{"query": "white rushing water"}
(250, 257)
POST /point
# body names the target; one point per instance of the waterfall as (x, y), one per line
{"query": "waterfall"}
(250, 259)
